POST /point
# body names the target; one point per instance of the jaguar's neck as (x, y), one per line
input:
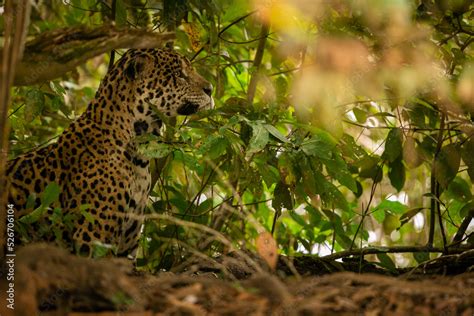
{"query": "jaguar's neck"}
(113, 115)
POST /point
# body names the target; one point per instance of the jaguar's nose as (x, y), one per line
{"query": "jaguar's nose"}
(208, 89)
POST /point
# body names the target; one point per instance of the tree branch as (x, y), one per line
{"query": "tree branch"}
(394, 249)
(54, 53)
(257, 62)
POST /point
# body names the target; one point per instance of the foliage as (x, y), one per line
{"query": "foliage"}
(360, 131)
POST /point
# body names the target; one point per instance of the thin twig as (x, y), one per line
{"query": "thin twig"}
(372, 193)
(434, 204)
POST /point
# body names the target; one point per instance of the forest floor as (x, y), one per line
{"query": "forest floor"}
(50, 281)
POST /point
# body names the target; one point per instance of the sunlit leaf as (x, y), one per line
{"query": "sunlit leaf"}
(361, 116)
(260, 138)
(276, 133)
(390, 223)
(34, 216)
(50, 194)
(156, 150)
(84, 209)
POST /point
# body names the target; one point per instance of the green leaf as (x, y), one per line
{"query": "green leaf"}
(361, 116)
(394, 207)
(379, 215)
(387, 207)
(56, 103)
(57, 215)
(446, 164)
(467, 210)
(386, 262)
(268, 172)
(259, 138)
(181, 203)
(390, 223)
(57, 88)
(50, 194)
(205, 206)
(282, 197)
(408, 215)
(120, 13)
(155, 149)
(369, 168)
(421, 257)
(396, 174)
(383, 114)
(330, 194)
(216, 148)
(320, 145)
(467, 151)
(393, 145)
(337, 168)
(84, 211)
(298, 218)
(276, 133)
(30, 201)
(100, 250)
(350, 148)
(34, 216)
(35, 102)
(460, 189)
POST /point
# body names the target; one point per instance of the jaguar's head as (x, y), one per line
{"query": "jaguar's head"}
(159, 80)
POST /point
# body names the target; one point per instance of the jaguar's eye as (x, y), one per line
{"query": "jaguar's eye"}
(181, 73)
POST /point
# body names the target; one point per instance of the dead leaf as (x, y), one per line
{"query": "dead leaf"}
(267, 249)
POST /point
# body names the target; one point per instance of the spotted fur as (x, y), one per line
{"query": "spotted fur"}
(95, 161)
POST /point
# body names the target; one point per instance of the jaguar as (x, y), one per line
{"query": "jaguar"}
(96, 163)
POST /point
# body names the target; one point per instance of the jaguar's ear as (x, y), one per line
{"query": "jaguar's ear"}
(134, 68)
